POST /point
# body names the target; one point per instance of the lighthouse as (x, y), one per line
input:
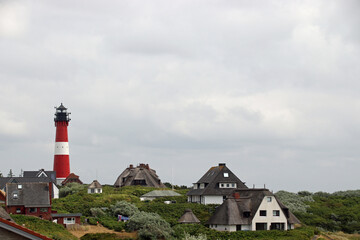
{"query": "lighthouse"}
(61, 157)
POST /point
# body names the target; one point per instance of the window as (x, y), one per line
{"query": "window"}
(70, 220)
(261, 226)
(92, 190)
(15, 195)
(246, 214)
(43, 209)
(233, 185)
(32, 210)
(222, 185)
(227, 185)
(269, 199)
(263, 213)
(276, 213)
(19, 186)
(226, 174)
(18, 210)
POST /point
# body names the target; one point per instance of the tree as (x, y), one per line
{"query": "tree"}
(10, 174)
(1, 175)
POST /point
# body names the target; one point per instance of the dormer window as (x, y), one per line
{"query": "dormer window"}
(226, 174)
(19, 186)
(15, 195)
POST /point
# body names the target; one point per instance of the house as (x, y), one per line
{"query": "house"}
(250, 210)
(11, 230)
(213, 187)
(29, 198)
(66, 218)
(41, 179)
(188, 217)
(72, 177)
(141, 175)
(158, 194)
(95, 187)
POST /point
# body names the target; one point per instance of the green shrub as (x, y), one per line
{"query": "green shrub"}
(149, 226)
(124, 208)
(97, 212)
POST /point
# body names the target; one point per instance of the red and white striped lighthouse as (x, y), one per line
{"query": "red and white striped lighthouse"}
(61, 158)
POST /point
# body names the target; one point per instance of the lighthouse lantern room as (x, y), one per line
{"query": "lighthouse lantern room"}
(61, 158)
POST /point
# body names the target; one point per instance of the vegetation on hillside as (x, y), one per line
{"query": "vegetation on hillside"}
(339, 211)
(44, 227)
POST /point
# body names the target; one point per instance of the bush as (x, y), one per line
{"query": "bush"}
(97, 212)
(112, 223)
(71, 188)
(124, 208)
(149, 226)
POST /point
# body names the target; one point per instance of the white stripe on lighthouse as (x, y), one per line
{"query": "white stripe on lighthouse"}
(61, 148)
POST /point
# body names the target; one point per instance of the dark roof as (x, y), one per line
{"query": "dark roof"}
(30, 195)
(61, 107)
(41, 173)
(72, 177)
(213, 177)
(5, 180)
(231, 211)
(188, 217)
(95, 184)
(66, 215)
(140, 175)
(5, 215)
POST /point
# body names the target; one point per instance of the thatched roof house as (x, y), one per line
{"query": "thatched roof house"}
(95, 187)
(213, 187)
(188, 217)
(252, 209)
(141, 175)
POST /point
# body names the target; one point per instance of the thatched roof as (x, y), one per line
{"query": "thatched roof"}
(188, 217)
(141, 175)
(212, 178)
(95, 184)
(241, 207)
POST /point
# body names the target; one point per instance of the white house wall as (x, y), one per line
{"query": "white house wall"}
(56, 191)
(213, 200)
(269, 207)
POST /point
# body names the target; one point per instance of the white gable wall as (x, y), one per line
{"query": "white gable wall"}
(269, 207)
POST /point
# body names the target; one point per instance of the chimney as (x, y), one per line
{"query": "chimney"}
(236, 195)
(147, 166)
(222, 164)
(131, 166)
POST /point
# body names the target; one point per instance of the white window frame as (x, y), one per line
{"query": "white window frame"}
(67, 221)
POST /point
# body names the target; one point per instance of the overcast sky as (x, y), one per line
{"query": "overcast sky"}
(271, 88)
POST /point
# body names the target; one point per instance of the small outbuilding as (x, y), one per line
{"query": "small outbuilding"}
(95, 187)
(158, 194)
(188, 217)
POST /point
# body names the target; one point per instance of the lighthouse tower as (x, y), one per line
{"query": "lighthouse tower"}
(61, 158)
